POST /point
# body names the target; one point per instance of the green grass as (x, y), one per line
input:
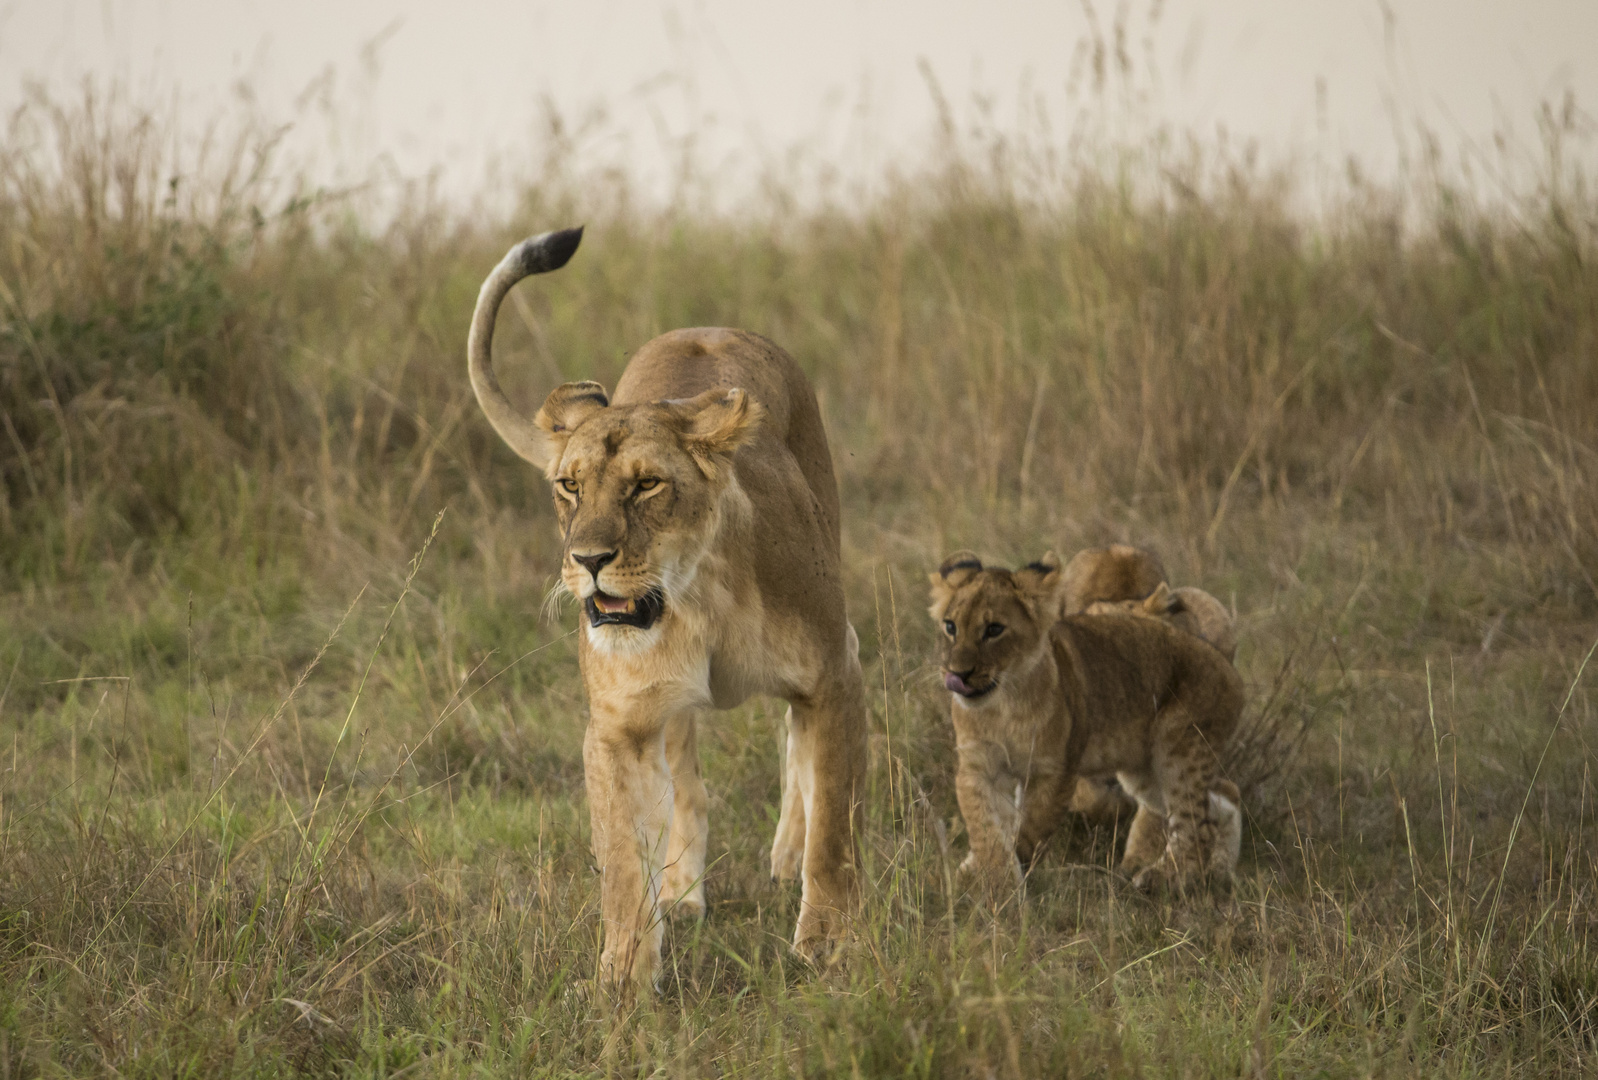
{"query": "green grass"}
(277, 794)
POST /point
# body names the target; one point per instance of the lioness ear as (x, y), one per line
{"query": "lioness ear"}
(1040, 581)
(567, 406)
(719, 422)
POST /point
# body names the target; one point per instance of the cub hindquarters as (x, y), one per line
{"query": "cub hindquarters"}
(1037, 700)
(1109, 574)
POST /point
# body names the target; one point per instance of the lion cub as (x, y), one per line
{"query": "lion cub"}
(1186, 608)
(1038, 700)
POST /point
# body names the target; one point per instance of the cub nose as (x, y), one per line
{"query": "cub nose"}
(594, 563)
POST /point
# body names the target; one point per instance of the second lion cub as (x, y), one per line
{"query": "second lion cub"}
(1038, 700)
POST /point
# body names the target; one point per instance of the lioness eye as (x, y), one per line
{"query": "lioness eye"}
(568, 485)
(648, 483)
(948, 627)
(992, 630)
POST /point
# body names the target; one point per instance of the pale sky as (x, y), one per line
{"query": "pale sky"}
(446, 88)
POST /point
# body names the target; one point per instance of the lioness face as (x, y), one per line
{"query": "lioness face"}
(637, 491)
(992, 622)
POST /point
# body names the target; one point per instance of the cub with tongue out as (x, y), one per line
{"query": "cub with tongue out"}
(1038, 700)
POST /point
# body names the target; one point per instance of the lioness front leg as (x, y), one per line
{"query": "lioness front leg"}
(630, 805)
(683, 894)
(828, 746)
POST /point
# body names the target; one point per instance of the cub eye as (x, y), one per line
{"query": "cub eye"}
(992, 630)
(568, 485)
(948, 627)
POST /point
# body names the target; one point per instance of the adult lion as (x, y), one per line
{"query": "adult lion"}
(699, 518)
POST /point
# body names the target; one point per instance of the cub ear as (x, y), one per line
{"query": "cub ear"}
(718, 422)
(1040, 581)
(956, 570)
(567, 406)
(1161, 601)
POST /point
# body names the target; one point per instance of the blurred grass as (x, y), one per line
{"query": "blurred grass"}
(245, 831)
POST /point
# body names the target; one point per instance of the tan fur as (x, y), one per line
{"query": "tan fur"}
(702, 491)
(1117, 572)
(1186, 608)
(1094, 575)
(1038, 700)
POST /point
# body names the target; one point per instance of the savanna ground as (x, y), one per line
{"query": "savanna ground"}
(286, 787)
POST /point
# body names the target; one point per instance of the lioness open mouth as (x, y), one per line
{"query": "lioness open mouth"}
(640, 612)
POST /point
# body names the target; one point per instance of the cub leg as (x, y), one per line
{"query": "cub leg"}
(630, 805)
(1044, 799)
(788, 848)
(683, 893)
(1184, 768)
(1145, 841)
(1226, 809)
(988, 798)
(1145, 838)
(828, 748)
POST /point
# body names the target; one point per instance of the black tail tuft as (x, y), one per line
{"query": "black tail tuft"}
(548, 251)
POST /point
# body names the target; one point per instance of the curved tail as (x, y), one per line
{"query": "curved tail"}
(536, 255)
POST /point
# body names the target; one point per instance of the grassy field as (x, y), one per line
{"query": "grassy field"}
(290, 771)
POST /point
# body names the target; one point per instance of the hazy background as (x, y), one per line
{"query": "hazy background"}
(824, 95)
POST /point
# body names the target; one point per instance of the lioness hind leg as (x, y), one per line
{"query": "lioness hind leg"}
(683, 893)
(828, 736)
(788, 847)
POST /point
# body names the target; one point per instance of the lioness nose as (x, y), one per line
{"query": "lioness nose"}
(594, 563)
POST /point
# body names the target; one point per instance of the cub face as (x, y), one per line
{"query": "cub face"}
(991, 621)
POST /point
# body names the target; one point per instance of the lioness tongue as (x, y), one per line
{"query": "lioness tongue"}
(612, 605)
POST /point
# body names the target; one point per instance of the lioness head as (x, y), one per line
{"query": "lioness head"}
(636, 490)
(992, 621)
(636, 487)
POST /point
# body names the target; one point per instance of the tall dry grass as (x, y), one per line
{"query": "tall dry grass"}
(279, 797)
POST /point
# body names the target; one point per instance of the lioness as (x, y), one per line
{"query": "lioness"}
(1187, 608)
(699, 518)
(1036, 700)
